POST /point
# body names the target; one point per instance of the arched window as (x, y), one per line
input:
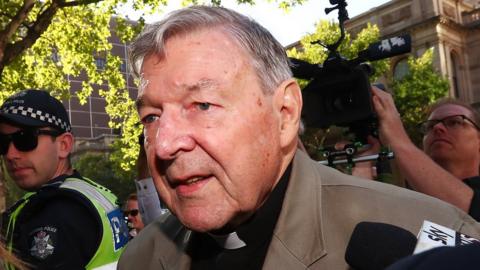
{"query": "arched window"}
(401, 69)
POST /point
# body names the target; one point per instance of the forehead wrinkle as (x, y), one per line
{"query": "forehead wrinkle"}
(200, 85)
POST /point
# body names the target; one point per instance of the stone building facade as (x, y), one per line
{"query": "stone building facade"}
(452, 27)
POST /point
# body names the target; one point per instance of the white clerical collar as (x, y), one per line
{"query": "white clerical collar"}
(228, 241)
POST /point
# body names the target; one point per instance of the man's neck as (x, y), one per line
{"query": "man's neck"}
(461, 171)
(63, 168)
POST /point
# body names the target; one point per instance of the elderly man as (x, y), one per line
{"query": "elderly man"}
(64, 221)
(449, 166)
(221, 114)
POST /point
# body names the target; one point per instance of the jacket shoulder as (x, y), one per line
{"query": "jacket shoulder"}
(388, 203)
(159, 245)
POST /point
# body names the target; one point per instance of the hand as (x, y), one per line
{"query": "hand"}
(364, 169)
(391, 129)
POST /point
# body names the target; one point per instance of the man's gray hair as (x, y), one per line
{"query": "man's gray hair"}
(268, 57)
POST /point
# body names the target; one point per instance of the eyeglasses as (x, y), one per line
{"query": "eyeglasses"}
(25, 140)
(133, 213)
(450, 122)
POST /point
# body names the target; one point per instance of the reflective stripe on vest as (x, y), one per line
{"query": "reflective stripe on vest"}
(11, 225)
(115, 232)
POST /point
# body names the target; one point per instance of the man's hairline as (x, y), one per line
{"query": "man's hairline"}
(250, 59)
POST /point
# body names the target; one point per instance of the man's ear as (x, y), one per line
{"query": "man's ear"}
(65, 143)
(289, 104)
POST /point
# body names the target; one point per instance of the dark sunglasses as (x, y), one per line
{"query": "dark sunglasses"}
(24, 140)
(133, 213)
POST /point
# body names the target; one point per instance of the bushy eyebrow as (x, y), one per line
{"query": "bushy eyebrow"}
(202, 84)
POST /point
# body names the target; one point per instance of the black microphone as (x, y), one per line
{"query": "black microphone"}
(387, 48)
(374, 246)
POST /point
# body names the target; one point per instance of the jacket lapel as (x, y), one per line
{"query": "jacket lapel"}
(297, 240)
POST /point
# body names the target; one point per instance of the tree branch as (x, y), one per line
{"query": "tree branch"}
(10, 29)
(11, 51)
(78, 3)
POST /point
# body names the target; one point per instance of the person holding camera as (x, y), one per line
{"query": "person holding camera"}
(448, 166)
(221, 112)
(64, 221)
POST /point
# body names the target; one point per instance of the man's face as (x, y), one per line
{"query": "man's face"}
(133, 215)
(460, 145)
(212, 136)
(34, 168)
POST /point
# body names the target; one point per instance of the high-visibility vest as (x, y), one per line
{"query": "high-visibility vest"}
(115, 232)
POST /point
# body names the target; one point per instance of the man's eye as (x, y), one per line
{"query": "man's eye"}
(149, 119)
(204, 106)
(454, 122)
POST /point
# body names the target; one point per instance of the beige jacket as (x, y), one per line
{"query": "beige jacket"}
(319, 212)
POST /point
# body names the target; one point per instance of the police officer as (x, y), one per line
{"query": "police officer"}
(64, 221)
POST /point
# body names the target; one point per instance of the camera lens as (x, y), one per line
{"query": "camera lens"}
(343, 102)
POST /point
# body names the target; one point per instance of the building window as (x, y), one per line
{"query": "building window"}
(123, 67)
(455, 73)
(401, 69)
(100, 63)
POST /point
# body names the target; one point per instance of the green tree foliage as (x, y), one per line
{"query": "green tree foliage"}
(421, 87)
(45, 43)
(99, 168)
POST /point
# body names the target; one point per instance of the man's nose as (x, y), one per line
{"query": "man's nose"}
(440, 126)
(173, 136)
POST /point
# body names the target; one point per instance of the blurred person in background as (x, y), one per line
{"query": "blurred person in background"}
(133, 216)
(448, 166)
(148, 200)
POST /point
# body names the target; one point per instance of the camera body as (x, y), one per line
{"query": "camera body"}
(339, 91)
(341, 96)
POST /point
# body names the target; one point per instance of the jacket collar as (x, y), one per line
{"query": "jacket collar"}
(299, 227)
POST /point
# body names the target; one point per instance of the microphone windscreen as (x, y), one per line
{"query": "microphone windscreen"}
(387, 48)
(374, 246)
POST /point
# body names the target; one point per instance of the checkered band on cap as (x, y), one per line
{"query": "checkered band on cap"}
(38, 115)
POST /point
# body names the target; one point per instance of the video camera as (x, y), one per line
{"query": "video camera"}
(339, 92)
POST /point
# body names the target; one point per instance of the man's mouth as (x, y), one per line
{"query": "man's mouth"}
(191, 185)
(440, 141)
(193, 180)
(18, 169)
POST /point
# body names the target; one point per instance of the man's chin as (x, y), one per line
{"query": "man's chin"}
(202, 222)
(202, 226)
(25, 184)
